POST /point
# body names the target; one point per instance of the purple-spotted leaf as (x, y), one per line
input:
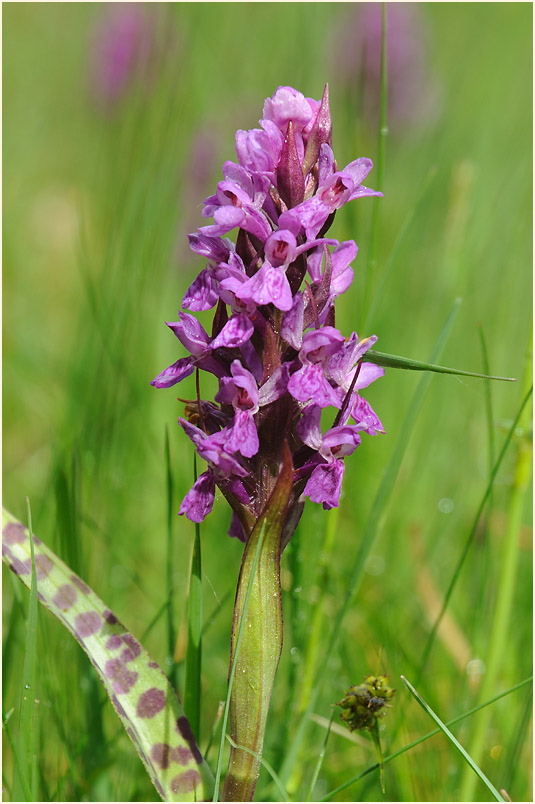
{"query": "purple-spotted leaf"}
(140, 692)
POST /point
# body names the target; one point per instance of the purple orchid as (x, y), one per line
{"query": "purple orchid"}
(241, 391)
(274, 348)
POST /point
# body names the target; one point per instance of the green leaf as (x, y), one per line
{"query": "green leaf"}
(393, 361)
(140, 692)
(444, 729)
(256, 639)
(29, 732)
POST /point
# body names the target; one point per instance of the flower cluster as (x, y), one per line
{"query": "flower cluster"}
(365, 703)
(274, 346)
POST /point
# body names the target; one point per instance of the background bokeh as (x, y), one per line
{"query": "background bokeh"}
(117, 119)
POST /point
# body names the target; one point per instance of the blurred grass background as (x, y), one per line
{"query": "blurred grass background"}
(103, 178)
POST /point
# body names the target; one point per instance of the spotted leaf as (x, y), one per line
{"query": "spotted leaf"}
(140, 692)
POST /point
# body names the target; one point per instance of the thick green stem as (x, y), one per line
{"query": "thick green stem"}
(256, 655)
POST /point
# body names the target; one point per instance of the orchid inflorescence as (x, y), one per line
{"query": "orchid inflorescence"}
(274, 346)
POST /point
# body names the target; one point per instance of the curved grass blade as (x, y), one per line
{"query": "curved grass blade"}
(140, 692)
(422, 739)
(444, 729)
(393, 361)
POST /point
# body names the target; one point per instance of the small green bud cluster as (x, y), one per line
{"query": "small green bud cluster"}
(365, 703)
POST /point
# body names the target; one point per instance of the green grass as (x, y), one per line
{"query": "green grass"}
(96, 209)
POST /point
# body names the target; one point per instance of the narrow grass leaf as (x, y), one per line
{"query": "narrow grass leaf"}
(522, 734)
(171, 631)
(488, 397)
(140, 692)
(321, 755)
(444, 729)
(379, 505)
(499, 636)
(424, 738)
(470, 539)
(28, 733)
(482, 574)
(21, 776)
(393, 361)
(379, 163)
(192, 683)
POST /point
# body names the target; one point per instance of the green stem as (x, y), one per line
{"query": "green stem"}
(258, 623)
(499, 633)
(377, 742)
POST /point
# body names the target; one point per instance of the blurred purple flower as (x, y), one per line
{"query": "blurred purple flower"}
(122, 46)
(356, 47)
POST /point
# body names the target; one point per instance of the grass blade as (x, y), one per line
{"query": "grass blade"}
(488, 398)
(499, 633)
(380, 162)
(470, 538)
(444, 729)
(171, 630)
(192, 683)
(425, 737)
(21, 778)
(140, 692)
(28, 733)
(319, 763)
(393, 361)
